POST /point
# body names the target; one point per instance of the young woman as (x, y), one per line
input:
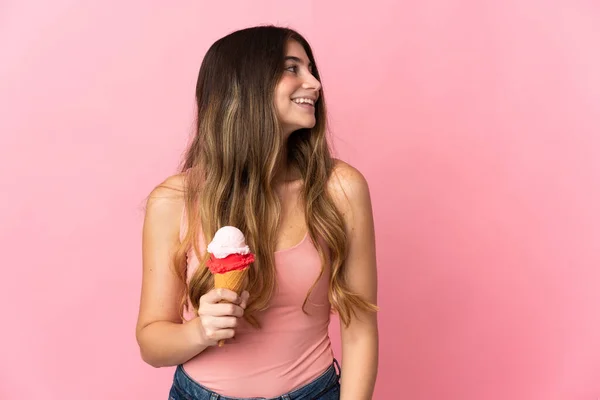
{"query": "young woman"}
(260, 161)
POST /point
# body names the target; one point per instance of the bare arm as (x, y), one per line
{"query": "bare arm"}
(360, 340)
(162, 337)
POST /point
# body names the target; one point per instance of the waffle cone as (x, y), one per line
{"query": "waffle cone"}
(232, 280)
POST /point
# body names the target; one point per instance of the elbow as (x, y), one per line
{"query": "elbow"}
(150, 360)
(145, 351)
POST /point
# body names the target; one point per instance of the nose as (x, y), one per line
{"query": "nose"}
(311, 83)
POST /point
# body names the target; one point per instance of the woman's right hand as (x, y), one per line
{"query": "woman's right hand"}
(217, 319)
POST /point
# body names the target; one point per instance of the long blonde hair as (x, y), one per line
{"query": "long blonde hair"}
(231, 163)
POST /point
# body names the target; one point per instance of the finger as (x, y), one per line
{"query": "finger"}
(219, 334)
(217, 295)
(244, 299)
(225, 310)
(225, 322)
(225, 334)
(221, 310)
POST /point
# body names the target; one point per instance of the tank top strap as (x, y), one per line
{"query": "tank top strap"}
(183, 223)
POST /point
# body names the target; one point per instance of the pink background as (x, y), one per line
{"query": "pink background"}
(476, 125)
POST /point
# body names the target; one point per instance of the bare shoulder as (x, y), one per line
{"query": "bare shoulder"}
(348, 187)
(165, 204)
(171, 188)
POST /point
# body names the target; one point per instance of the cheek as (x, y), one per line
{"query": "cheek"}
(283, 93)
(286, 87)
(282, 105)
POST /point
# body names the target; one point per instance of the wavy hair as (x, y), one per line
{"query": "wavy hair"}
(232, 160)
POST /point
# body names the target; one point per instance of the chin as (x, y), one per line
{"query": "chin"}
(293, 128)
(304, 127)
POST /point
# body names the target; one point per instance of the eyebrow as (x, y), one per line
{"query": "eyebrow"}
(293, 58)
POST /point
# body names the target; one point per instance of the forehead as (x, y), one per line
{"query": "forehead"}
(293, 48)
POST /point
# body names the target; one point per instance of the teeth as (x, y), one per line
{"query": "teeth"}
(303, 100)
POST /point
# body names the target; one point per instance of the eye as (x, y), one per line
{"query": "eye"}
(295, 68)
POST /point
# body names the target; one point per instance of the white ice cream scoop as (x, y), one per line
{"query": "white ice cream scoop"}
(228, 240)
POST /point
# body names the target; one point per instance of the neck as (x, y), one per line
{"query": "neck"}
(284, 172)
(282, 169)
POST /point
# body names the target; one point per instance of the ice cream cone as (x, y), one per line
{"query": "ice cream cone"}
(229, 260)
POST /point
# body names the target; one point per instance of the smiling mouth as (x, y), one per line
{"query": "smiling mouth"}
(304, 104)
(304, 100)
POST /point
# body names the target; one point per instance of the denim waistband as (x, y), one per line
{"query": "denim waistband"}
(190, 389)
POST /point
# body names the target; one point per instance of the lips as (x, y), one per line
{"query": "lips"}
(305, 106)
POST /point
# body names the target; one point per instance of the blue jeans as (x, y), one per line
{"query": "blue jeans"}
(325, 387)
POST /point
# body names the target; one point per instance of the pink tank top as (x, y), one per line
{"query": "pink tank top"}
(291, 348)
